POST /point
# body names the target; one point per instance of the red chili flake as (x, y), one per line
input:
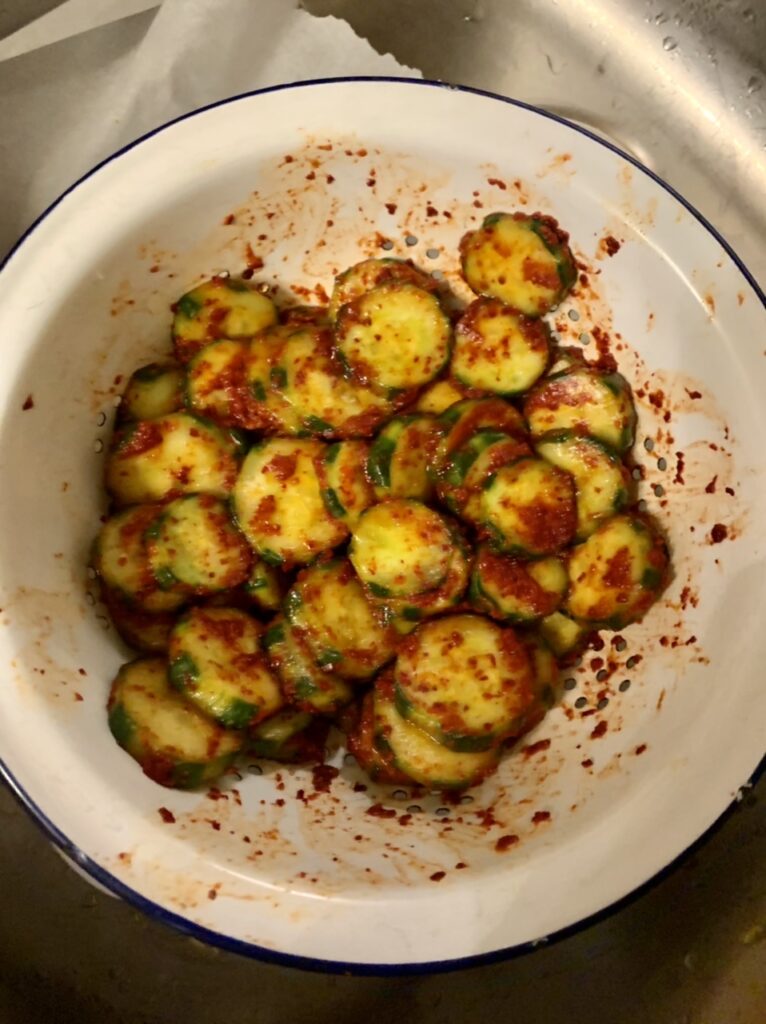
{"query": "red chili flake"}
(279, 802)
(640, 749)
(437, 876)
(587, 763)
(289, 159)
(710, 489)
(29, 403)
(361, 152)
(405, 819)
(693, 394)
(322, 776)
(718, 533)
(154, 269)
(247, 273)
(82, 672)
(431, 211)
(497, 183)
(460, 865)
(229, 219)
(78, 696)
(359, 787)
(679, 477)
(505, 843)
(379, 811)
(611, 245)
(599, 730)
(370, 183)
(215, 825)
(329, 178)
(391, 207)
(212, 894)
(167, 816)
(535, 748)
(539, 816)
(253, 260)
(596, 663)
(730, 491)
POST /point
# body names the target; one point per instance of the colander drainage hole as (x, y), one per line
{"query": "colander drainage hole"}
(624, 685)
(581, 702)
(410, 240)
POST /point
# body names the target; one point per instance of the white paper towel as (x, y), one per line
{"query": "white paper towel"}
(193, 53)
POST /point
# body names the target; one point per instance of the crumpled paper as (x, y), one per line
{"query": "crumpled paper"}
(69, 105)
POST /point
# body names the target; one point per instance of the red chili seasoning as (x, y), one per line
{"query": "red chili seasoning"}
(535, 748)
(29, 403)
(539, 816)
(167, 816)
(718, 533)
(599, 730)
(505, 843)
(437, 876)
(322, 775)
(640, 749)
(611, 245)
(379, 811)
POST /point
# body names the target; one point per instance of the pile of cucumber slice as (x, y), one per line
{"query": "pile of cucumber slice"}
(384, 517)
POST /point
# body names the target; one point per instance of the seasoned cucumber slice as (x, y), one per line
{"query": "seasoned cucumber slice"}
(514, 590)
(216, 384)
(147, 632)
(372, 757)
(602, 481)
(462, 476)
(618, 573)
(464, 680)
(222, 307)
(529, 508)
(497, 349)
(438, 397)
(405, 613)
(329, 608)
(421, 757)
(307, 686)
(267, 408)
(264, 586)
(363, 277)
(401, 547)
(523, 260)
(311, 380)
(562, 634)
(400, 457)
(342, 474)
(152, 460)
(583, 401)
(153, 390)
(566, 357)
(193, 546)
(291, 737)
(173, 743)
(120, 558)
(216, 662)
(278, 502)
(394, 338)
(464, 419)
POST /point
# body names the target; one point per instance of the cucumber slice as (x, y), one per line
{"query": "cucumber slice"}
(464, 681)
(264, 586)
(523, 260)
(401, 547)
(153, 460)
(617, 574)
(562, 634)
(421, 757)
(602, 481)
(267, 408)
(329, 608)
(464, 419)
(438, 397)
(120, 558)
(394, 338)
(583, 401)
(278, 502)
(193, 546)
(372, 757)
(529, 508)
(463, 475)
(342, 475)
(305, 745)
(215, 382)
(217, 664)
(147, 632)
(173, 743)
(327, 404)
(499, 350)
(222, 307)
(400, 458)
(307, 686)
(513, 590)
(404, 613)
(363, 277)
(153, 390)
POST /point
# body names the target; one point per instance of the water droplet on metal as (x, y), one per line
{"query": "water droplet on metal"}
(669, 43)
(661, 18)
(755, 84)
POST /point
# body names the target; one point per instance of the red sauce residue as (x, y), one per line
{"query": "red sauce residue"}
(497, 183)
(431, 211)
(505, 843)
(587, 763)
(283, 466)
(253, 262)
(460, 865)
(212, 894)
(539, 816)
(679, 477)
(610, 245)
(391, 207)
(78, 696)
(437, 876)
(599, 730)
(167, 816)
(379, 811)
(693, 394)
(710, 489)
(535, 748)
(606, 360)
(322, 776)
(640, 749)
(229, 219)
(29, 403)
(718, 533)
